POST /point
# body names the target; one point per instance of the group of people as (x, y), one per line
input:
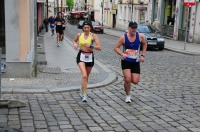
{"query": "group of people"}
(57, 23)
(131, 56)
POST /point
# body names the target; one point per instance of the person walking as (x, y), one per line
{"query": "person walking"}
(156, 24)
(52, 24)
(85, 58)
(63, 28)
(131, 56)
(46, 23)
(59, 29)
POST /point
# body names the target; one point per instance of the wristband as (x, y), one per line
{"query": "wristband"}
(142, 55)
(92, 46)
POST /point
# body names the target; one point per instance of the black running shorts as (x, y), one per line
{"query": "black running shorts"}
(134, 66)
(88, 64)
(59, 29)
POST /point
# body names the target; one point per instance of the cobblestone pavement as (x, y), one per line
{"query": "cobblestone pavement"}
(167, 99)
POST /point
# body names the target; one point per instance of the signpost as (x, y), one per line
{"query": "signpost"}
(188, 4)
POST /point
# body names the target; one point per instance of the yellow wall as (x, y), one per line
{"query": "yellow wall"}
(24, 29)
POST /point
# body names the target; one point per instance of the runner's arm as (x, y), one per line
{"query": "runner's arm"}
(76, 39)
(97, 46)
(144, 44)
(119, 43)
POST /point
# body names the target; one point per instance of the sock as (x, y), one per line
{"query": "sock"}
(84, 94)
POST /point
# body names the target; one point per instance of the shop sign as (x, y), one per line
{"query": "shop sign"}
(114, 7)
(141, 8)
(41, 1)
(189, 3)
(106, 8)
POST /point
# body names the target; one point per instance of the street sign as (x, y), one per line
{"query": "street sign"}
(189, 3)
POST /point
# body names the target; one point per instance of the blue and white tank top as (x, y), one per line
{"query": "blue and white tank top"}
(132, 49)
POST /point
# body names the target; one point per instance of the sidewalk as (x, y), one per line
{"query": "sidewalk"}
(177, 46)
(61, 72)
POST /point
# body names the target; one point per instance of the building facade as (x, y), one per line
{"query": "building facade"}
(172, 15)
(131, 10)
(20, 22)
(18, 32)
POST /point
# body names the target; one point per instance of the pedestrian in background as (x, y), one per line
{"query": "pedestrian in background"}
(52, 24)
(156, 24)
(85, 58)
(63, 28)
(131, 56)
(46, 23)
(59, 29)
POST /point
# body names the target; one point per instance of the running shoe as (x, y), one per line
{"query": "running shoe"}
(84, 98)
(128, 99)
(58, 44)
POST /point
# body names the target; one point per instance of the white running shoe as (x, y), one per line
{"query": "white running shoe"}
(128, 99)
(84, 98)
(58, 44)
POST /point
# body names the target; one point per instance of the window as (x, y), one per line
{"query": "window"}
(129, 14)
(124, 13)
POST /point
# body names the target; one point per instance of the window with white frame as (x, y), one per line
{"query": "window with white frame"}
(120, 12)
(124, 16)
(129, 14)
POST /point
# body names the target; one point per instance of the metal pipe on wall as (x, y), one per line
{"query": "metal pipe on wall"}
(47, 9)
(35, 36)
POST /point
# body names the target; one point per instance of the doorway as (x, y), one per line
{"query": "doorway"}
(2, 27)
(114, 21)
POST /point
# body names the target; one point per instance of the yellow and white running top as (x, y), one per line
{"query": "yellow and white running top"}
(83, 41)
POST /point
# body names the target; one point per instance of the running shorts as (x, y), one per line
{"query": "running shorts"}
(133, 66)
(88, 64)
(59, 29)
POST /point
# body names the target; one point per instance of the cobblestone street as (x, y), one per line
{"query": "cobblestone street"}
(167, 98)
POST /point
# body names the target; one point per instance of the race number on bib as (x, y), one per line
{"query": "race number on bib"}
(86, 57)
(133, 54)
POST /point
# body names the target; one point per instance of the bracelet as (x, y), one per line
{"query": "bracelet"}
(142, 55)
(92, 46)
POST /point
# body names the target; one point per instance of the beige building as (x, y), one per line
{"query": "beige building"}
(131, 10)
(18, 47)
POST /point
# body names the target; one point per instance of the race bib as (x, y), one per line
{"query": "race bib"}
(63, 25)
(86, 57)
(52, 24)
(133, 54)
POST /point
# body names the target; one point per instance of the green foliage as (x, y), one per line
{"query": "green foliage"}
(70, 4)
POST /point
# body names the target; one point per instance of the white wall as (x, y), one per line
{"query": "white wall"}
(197, 25)
(97, 11)
(124, 15)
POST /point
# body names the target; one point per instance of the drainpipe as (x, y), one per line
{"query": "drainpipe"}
(47, 9)
(102, 10)
(61, 5)
(35, 37)
(85, 5)
(131, 10)
(57, 6)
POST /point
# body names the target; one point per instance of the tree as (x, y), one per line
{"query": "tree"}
(70, 4)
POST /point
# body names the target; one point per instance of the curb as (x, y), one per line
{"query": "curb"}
(111, 77)
(182, 51)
